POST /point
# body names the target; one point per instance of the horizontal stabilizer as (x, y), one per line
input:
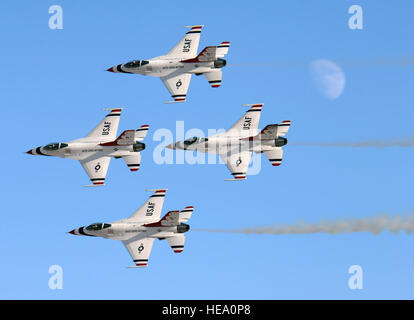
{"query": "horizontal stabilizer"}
(177, 243)
(185, 214)
(283, 128)
(133, 161)
(141, 133)
(275, 156)
(222, 49)
(214, 78)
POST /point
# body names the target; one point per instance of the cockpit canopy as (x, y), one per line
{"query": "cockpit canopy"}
(55, 146)
(97, 226)
(193, 140)
(190, 141)
(136, 63)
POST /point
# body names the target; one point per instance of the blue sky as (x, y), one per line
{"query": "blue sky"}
(53, 88)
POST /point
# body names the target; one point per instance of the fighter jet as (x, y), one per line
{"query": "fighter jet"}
(236, 145)
(176, 67)
(138, 232)
(95, 150)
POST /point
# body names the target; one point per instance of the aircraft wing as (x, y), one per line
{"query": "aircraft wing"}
(187, 47)
(238, 163)
(150, 211)
(177, 85)
(247, 125)
(96, 168)
(108, 127)
(275, 156)
(139, 247)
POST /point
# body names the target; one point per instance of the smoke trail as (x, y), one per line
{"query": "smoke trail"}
(402, 61)
(374, 225)
(403, 143)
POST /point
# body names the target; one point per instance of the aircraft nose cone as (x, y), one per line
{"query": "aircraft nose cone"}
(72, 232)
(171, 146)
(111, 69)
(30, 152)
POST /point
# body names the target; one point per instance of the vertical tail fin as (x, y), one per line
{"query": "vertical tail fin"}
(273, 131)
(170, 219)
(211, 53)
(206, 55)
(125, 138)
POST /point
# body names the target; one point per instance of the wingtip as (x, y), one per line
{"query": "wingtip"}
(197, 26)
(112, 109)
(253, 105)
(175, 101)
(95, 185)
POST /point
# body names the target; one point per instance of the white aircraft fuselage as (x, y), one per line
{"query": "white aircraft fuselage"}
(83, 150)
(164, 66)
(123, 230)
(223, 143)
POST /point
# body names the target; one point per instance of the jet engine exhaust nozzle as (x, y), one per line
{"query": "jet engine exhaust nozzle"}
(138, 146)
(183, 227)
(280, 142)
(220, 63)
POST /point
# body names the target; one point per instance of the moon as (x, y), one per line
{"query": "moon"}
(328, 78)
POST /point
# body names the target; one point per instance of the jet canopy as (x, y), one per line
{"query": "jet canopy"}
(193, 140)
(97, 226)
(136, 63)
(55, 146)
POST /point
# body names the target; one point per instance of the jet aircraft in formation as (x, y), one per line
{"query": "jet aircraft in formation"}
(138, 232)
(95, 151)
(235, 146)
(176, 67)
